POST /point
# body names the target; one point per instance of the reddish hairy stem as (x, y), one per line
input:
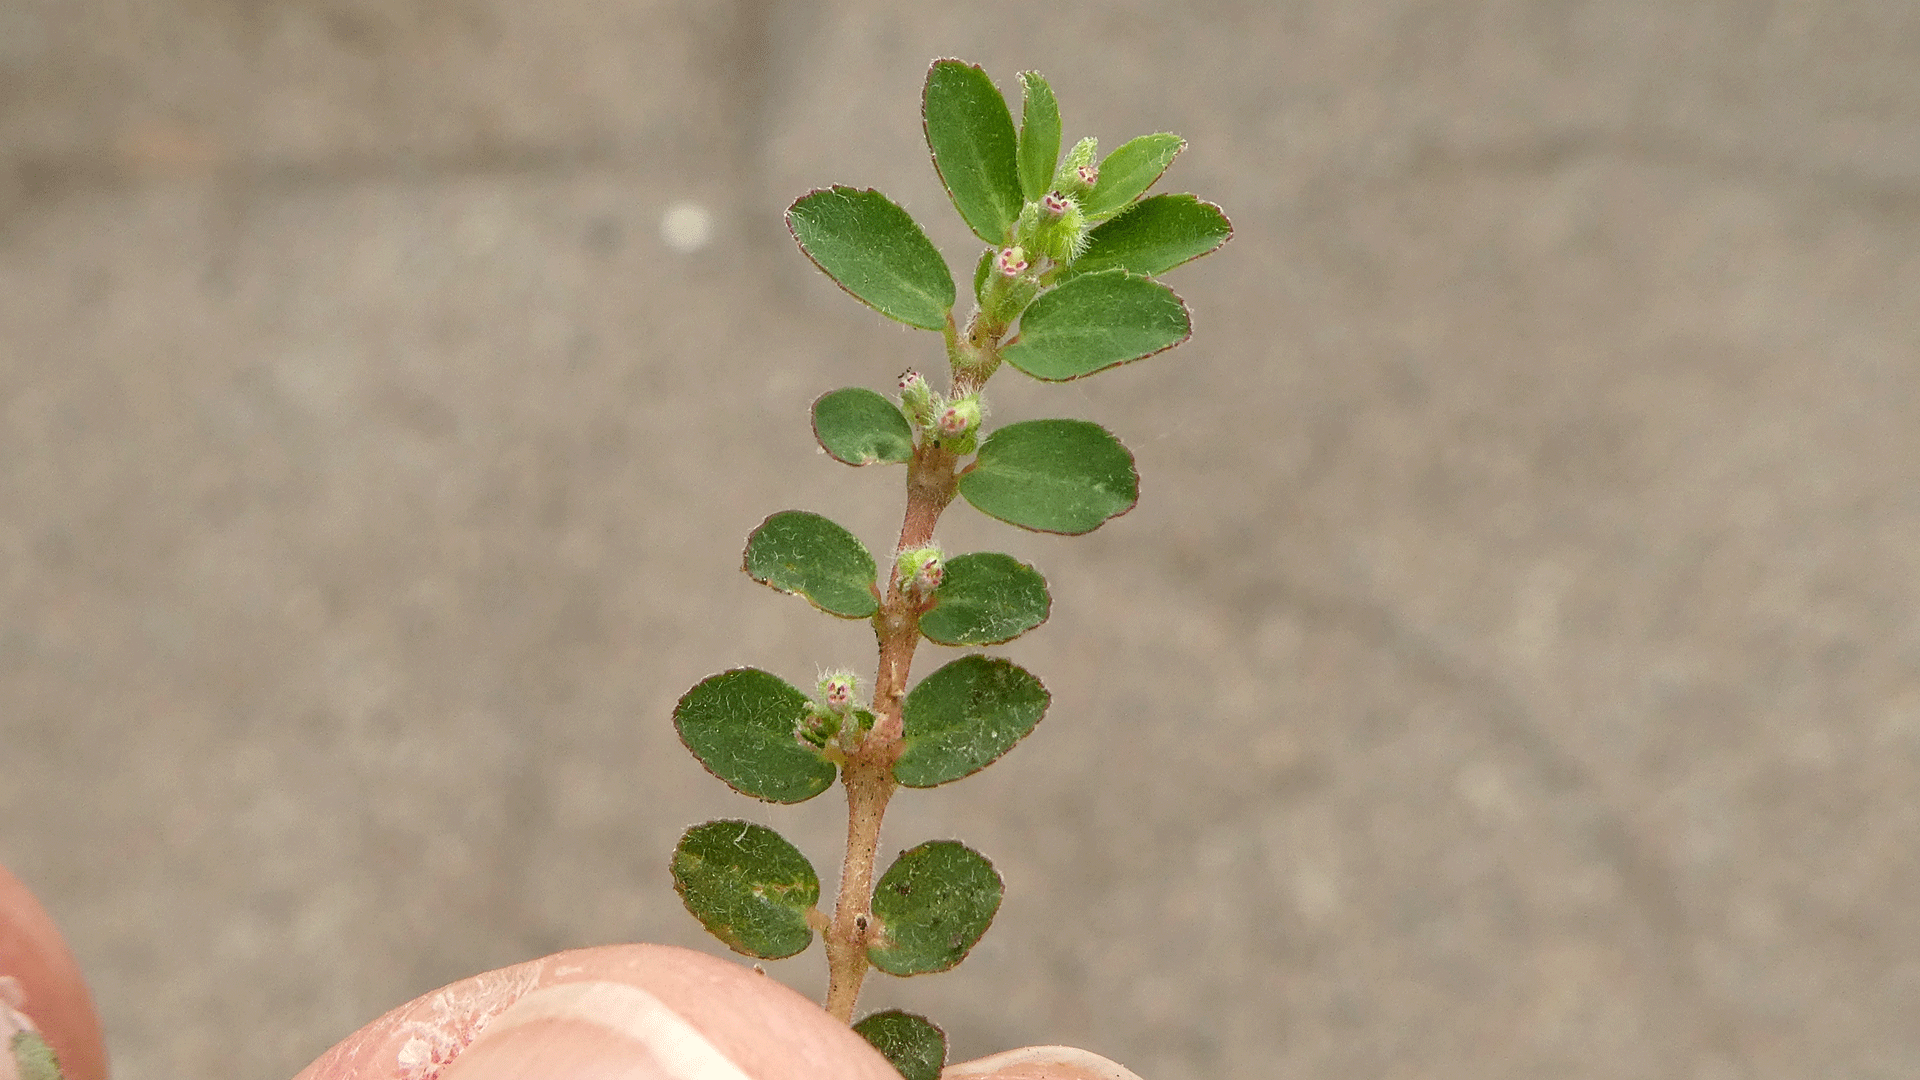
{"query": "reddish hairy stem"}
(868, 774)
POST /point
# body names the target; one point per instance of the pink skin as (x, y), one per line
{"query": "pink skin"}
(614, 1012)
(41, 988)
(640, 1012)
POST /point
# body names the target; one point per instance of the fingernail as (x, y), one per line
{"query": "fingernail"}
(591, 1031)
(1041, 1063)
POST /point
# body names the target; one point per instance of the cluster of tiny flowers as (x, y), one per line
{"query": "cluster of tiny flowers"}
(1012, 262)
(921, 571)
(916, 399)
(833, 722)
(931, 574)
(952, 423)
(837, 691)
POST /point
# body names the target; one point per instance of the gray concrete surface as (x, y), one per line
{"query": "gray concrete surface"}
(1512, 670)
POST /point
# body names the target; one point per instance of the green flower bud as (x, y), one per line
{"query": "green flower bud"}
(1028, 224)
(837, 689)
(959, 424)
(817, 728)
(960, 417)
(1062, 234)
(916, 399)
(1079, 171)
(921, 571)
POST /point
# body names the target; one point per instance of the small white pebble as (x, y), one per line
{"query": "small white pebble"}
(686, 227)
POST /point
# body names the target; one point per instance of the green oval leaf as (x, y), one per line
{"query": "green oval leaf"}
(986, 598)
(1128, 172)
(1058, 476)
(875, 250)
(798, 552)
(741, 724)
(748, 886)
(914, 1044)
(860, 427)
(1039, 135)
(964, 716)
(932, 904)
(1158, 234)
(974, 147)
(1097, 321)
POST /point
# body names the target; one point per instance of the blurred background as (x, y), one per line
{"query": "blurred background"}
(1511, 670)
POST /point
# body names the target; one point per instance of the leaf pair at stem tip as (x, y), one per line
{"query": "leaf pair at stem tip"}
(1005, 185)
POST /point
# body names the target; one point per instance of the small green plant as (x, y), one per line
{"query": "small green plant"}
(1065, 288)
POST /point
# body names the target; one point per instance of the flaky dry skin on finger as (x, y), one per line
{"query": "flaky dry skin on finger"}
(1040, 1063)
(41, 987)
(637, 1012)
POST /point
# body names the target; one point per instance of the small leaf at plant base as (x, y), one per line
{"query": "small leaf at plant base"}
(748, 886)
(974, 146)
(860, 427)
(933, 904)
(1128, 172)
(875, 251)
(1094, 322)
(964, 716)
(798, 552)
(1058, 476)
(741, 724)
(33, 1059)
(914, 1044)
(1039, 135)
(1158, 234)
(986, 598)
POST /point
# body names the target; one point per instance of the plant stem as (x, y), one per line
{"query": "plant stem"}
(868, 774)
(869, 786)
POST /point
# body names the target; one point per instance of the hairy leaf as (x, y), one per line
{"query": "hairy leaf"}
(748, 886)
(986, 598)
(741, 724)
(932, 904)
(1097, 321)
(974, 147)
(806, 554)
(875, 251)
(1158, 234)
(1039, 135)
(963, 717)
(860, 427)
(1059, 476)
(914, 1044)
(1128, 172)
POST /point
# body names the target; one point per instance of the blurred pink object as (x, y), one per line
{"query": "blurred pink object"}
(640, 1012)
(41, 988)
